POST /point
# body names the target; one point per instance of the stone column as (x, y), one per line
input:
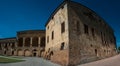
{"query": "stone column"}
(39, 41)
(10, 49)
(31, 41)
(23, 41)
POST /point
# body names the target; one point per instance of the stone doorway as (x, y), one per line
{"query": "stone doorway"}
(34, 52)
(12, 52)
(96, 52)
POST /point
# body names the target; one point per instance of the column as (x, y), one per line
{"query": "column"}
(10, 49)
(39, 41)
(23, 41)
(31, 41)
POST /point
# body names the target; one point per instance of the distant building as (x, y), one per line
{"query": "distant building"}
(7, 46)
(31, 43)
(75, 34)
(28, 43)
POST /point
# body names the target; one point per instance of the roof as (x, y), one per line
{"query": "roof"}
(30, 31)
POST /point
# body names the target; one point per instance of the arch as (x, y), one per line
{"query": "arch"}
(42, 43)
(27, 53)
(20, 42)
(5, 52)
(20, 52)
(95, 51)
(27, 42)
(35, 41)
(50, 55)
(12, 52)
(6, 45)
(42, 53)
(34, 52)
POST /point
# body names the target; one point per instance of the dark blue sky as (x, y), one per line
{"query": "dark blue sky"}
(17, 15)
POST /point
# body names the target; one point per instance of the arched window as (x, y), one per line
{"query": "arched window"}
(35, 41)
(5, 45)
(20, 42)
(12, 52)
(27, 42)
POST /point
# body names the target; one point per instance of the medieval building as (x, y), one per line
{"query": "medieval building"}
(75, 34)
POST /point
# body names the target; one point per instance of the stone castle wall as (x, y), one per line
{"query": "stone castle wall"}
(92, 44)
(54, 45)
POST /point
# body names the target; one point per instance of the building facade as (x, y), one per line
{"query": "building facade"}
(27, 43)
(7, 46)
(75, 34)
(31, 43)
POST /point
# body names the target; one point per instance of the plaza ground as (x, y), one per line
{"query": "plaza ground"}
(36, 61)
(31, 61)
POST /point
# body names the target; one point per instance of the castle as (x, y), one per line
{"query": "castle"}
(74, 35)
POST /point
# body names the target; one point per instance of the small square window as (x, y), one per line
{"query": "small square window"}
(62, 46)
(63, 27)
(85, 29)
(52, 35)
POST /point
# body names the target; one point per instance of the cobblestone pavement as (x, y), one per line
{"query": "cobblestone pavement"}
(112, 61)
(31, 61)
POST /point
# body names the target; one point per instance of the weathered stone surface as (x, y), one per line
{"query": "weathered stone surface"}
(87, 36)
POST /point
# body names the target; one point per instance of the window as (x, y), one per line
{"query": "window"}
(35, 41)
(20, 42)
(63, 27)
(52, 35)
(86, 29)
(27, 42)
(62, 46)
(5, 45)
(62, 7)
(93, 32)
